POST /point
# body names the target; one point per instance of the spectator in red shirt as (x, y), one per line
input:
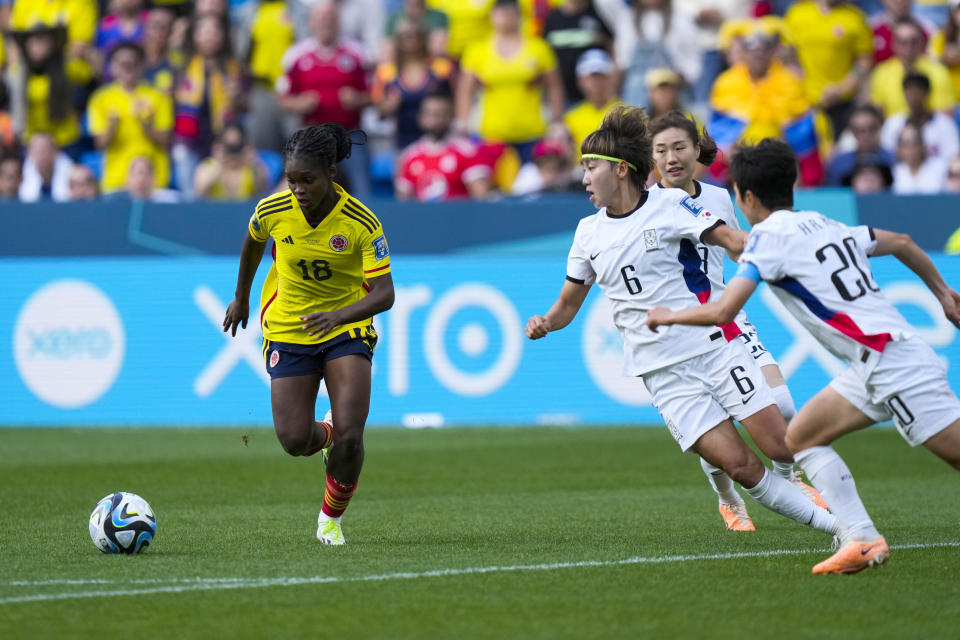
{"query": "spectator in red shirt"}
(441, 166)
(324, 81)
(893, 12)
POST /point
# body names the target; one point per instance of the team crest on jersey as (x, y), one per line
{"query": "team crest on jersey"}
(274, 358)
(338, 242)
(650, 240)
(691, 206)
(380, 248)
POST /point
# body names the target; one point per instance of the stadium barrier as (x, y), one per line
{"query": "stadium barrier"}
(528, 226)
(132, 340)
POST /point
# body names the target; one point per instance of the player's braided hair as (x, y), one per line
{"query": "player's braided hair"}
(624, 134)
(322, 144)
(676, 120)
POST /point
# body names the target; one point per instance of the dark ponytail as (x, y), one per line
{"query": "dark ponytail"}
(322, 144)
(624, 134)
(699, 137)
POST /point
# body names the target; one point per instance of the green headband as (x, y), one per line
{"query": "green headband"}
(610, 158)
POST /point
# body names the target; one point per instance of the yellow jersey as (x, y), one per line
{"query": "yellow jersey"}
(469, 21)
(271, 35)
(320, 268)
(130, 140)
(827, 44)
(65, 132)
(886, 85)
(584, 118)
(512, 102)
(78, 16)
(937, 45)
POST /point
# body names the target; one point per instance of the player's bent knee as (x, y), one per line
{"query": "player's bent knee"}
(745, 470)
(295, 442)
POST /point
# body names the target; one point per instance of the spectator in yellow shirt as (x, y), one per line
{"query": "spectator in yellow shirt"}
(271, 34)
(469, 22)
(596, 78)
(41, 90)
(946, 46)
(886, 83)
(761, 98)
(514, 71)
(77, 17)
(233, 173)
(834, 44)
(128, 119)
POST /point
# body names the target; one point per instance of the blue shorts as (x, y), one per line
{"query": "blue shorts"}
(286, 359)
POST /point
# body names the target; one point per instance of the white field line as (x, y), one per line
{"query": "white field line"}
(180, 585)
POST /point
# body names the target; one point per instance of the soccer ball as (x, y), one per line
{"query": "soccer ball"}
(122, 523)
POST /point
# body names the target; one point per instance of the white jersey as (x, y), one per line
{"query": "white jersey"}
(819, 269)
(644, 259)
(716, 201)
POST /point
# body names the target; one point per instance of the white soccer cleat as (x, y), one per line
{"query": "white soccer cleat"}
(329, 530)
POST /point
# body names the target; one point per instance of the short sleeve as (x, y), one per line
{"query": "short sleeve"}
(692, 219)
(472, 58)
(579, 268)
(863, 37)
(865, 238)
(97, 114)
(376, 254)
(163, 118)
(546, 58)
(764, 253)
(259, 229)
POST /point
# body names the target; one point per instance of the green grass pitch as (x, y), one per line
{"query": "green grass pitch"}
(459, 533)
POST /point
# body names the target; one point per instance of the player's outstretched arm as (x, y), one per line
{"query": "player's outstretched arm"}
(239, 310)
(563, 311)
(733, 240)
(718, 312)
(906, 251)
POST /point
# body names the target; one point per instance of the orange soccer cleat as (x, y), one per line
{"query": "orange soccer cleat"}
(855, 556)
(812, 494)
(735, 516)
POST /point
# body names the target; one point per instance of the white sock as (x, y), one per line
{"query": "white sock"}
(830, 475)
(777, 494)
(783, 469)
(720, 482)
(784, 402)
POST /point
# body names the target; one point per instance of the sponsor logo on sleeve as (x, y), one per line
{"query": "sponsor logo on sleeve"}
(380, 248)
(255, 223)
(691, 206)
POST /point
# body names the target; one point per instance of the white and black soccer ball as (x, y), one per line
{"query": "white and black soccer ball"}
(122, 523)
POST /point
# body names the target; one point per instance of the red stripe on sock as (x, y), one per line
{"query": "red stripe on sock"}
(337, 497)
(327, 438)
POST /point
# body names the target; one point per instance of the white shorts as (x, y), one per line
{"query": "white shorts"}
(909, 386)
(754, 346)
(696, 395)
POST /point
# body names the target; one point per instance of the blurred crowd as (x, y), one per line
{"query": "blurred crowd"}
(179, 100)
